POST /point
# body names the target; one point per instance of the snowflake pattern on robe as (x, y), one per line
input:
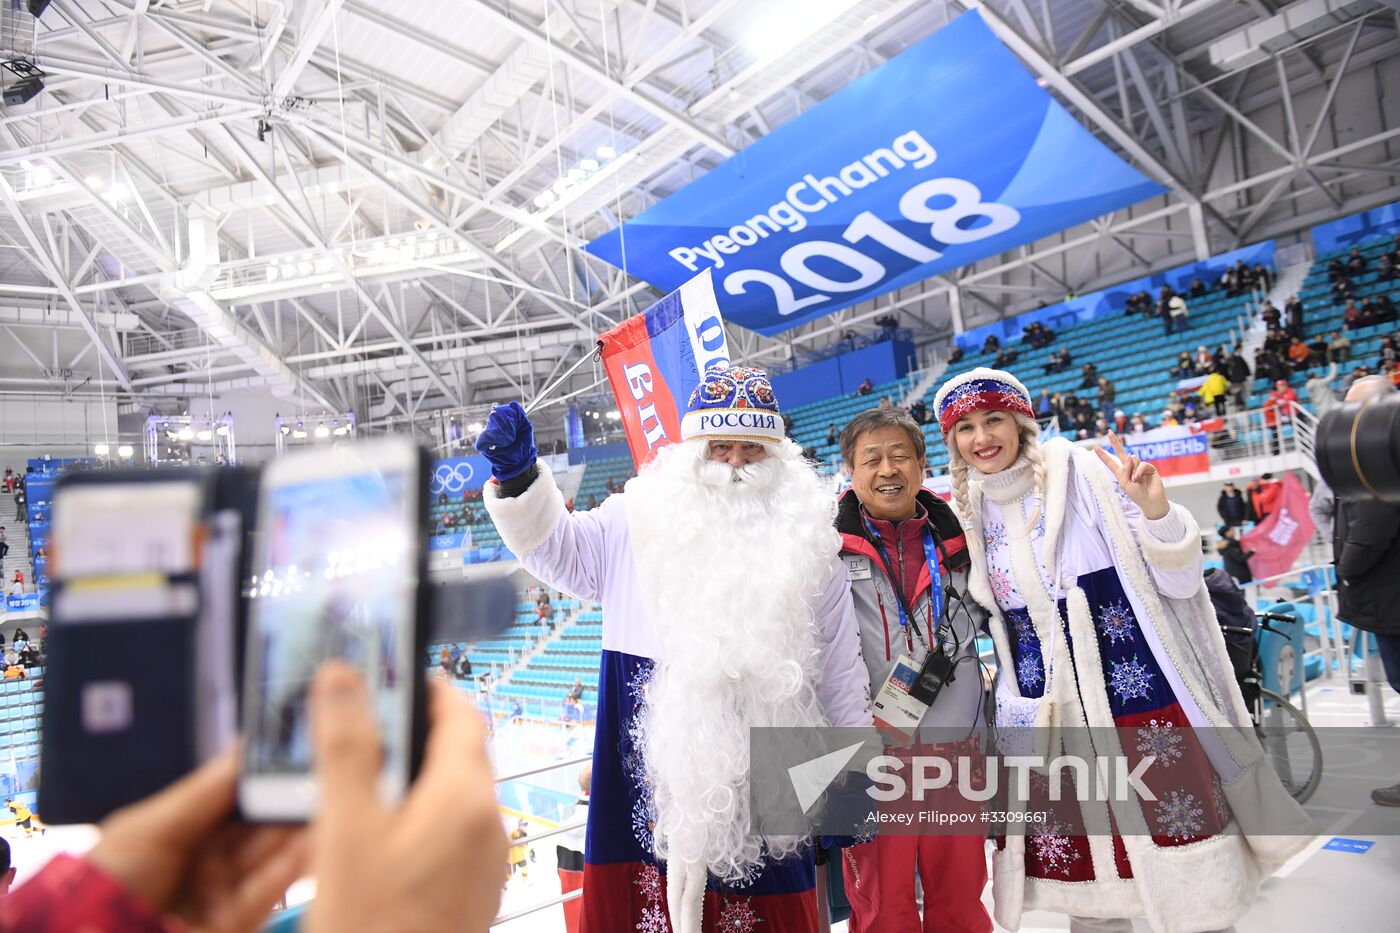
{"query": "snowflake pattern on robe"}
(1161, 739)
(1116, 622)
(1028, 672)
(653, 913)
(1131, 680)
(1052, 846)
(995, 535)
(1025, 631)
(1178, 815)
(1001, 585)
(643, 825)
(737, 916)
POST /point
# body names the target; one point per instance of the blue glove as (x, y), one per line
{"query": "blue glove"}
(508, 441)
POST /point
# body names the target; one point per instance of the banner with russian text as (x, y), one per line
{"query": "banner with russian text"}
(1277, 541)
(1176, 450)
(947, 153)
(654, 360)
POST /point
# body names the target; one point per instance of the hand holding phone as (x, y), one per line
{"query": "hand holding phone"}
(434, 863)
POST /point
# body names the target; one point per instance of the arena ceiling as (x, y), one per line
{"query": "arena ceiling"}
(379, 206)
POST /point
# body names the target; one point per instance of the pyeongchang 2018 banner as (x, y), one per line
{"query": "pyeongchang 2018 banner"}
(947, 153)
(654, 361)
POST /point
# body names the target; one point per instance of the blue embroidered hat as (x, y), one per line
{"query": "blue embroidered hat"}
(980, 389)
(734, 403)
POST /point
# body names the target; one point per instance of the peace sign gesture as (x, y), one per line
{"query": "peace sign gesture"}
(1138, 479)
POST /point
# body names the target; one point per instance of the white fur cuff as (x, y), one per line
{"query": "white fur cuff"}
(1182, 550)
(526, 521)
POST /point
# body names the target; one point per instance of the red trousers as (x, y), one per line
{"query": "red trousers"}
(573, 910)
(879, 880)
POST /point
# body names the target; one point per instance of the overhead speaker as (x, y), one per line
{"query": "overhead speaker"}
(22, 91)
(37, 7)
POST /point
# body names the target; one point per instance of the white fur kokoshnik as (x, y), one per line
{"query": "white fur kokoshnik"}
(980, 389)
(734, 403)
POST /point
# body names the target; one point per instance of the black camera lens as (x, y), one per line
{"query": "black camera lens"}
(1358, 449)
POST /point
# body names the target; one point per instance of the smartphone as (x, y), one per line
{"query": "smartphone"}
(338, 572)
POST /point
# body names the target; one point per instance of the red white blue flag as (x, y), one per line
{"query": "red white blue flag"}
(654, 361)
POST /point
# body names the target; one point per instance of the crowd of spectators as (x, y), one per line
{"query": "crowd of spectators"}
(23, 653)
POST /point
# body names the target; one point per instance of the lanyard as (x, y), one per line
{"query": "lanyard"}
(935, 584)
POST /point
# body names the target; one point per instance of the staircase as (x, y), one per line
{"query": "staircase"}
(926, 380)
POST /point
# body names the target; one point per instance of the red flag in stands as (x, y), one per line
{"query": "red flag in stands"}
(1279, 539)
(654, 361)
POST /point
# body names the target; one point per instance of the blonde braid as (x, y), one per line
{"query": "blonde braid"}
(1030, 449)
(957, 469)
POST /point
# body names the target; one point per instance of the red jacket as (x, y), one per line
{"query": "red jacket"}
(1280, 403)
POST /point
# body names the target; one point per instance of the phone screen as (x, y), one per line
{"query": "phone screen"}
(335, 578)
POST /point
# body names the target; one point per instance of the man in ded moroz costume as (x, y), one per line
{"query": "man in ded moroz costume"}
(725, 607)
(1100, 618)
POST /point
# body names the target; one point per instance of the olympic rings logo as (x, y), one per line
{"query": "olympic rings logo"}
(451, 476)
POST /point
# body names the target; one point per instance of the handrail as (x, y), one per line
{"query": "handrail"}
(549, 767)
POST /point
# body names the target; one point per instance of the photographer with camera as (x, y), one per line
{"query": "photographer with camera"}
(1366, 532)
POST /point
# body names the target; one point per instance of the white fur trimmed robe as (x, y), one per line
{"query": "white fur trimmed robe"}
(1119, 605)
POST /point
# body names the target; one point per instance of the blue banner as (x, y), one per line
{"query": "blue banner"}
(945, 154)
(28, 602)
(447, 542)
(458, 475)
(1341, 235)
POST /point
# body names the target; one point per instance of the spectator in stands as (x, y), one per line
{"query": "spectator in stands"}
(1198, 289)
(1293, 312)
(1179, 314)
(1052, 363)
(1169, 419)
(1263, 495)
(1270, 315)
(1138, 425)
(1335, 270)
(462, 667)
(20, 500)
(444, 660)
(1244, 275)
(1338, 348)
(1318, 346)
(1090, 376)
(1107, 394)
(1351, 317)
(1389, 350)
(1238, 372)
(1269, 365)
(1356, 263)
(1263, 278)
(956, 354)
(1278, 411)
(1357, 374)
(1232, 506)
(831, 435)
(1385, 309)
(1319, 389)
(1214, 389)
(576, 691)
(1234, 556)
(1184, 368)
(1006, 356)
(991, 343)
(866, 387)
(918, 411)
(1044, 405)
(1343, 288)
(1392, 372)
(1203, 360)
(17, 584)
(1228, 283)
(1299, 355)
(1120, 422)
(10, 480)
(1388, 268)
(4, 548)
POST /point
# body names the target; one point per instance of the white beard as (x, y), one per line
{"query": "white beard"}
(732, 564)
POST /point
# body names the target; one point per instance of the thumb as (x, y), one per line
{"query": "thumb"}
(346, 743)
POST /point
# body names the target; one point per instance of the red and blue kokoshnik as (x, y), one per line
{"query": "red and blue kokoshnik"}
(980, 395)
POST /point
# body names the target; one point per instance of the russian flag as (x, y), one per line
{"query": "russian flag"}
(654, 360)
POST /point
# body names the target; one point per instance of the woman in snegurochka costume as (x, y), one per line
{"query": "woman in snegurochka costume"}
(1100, 618)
